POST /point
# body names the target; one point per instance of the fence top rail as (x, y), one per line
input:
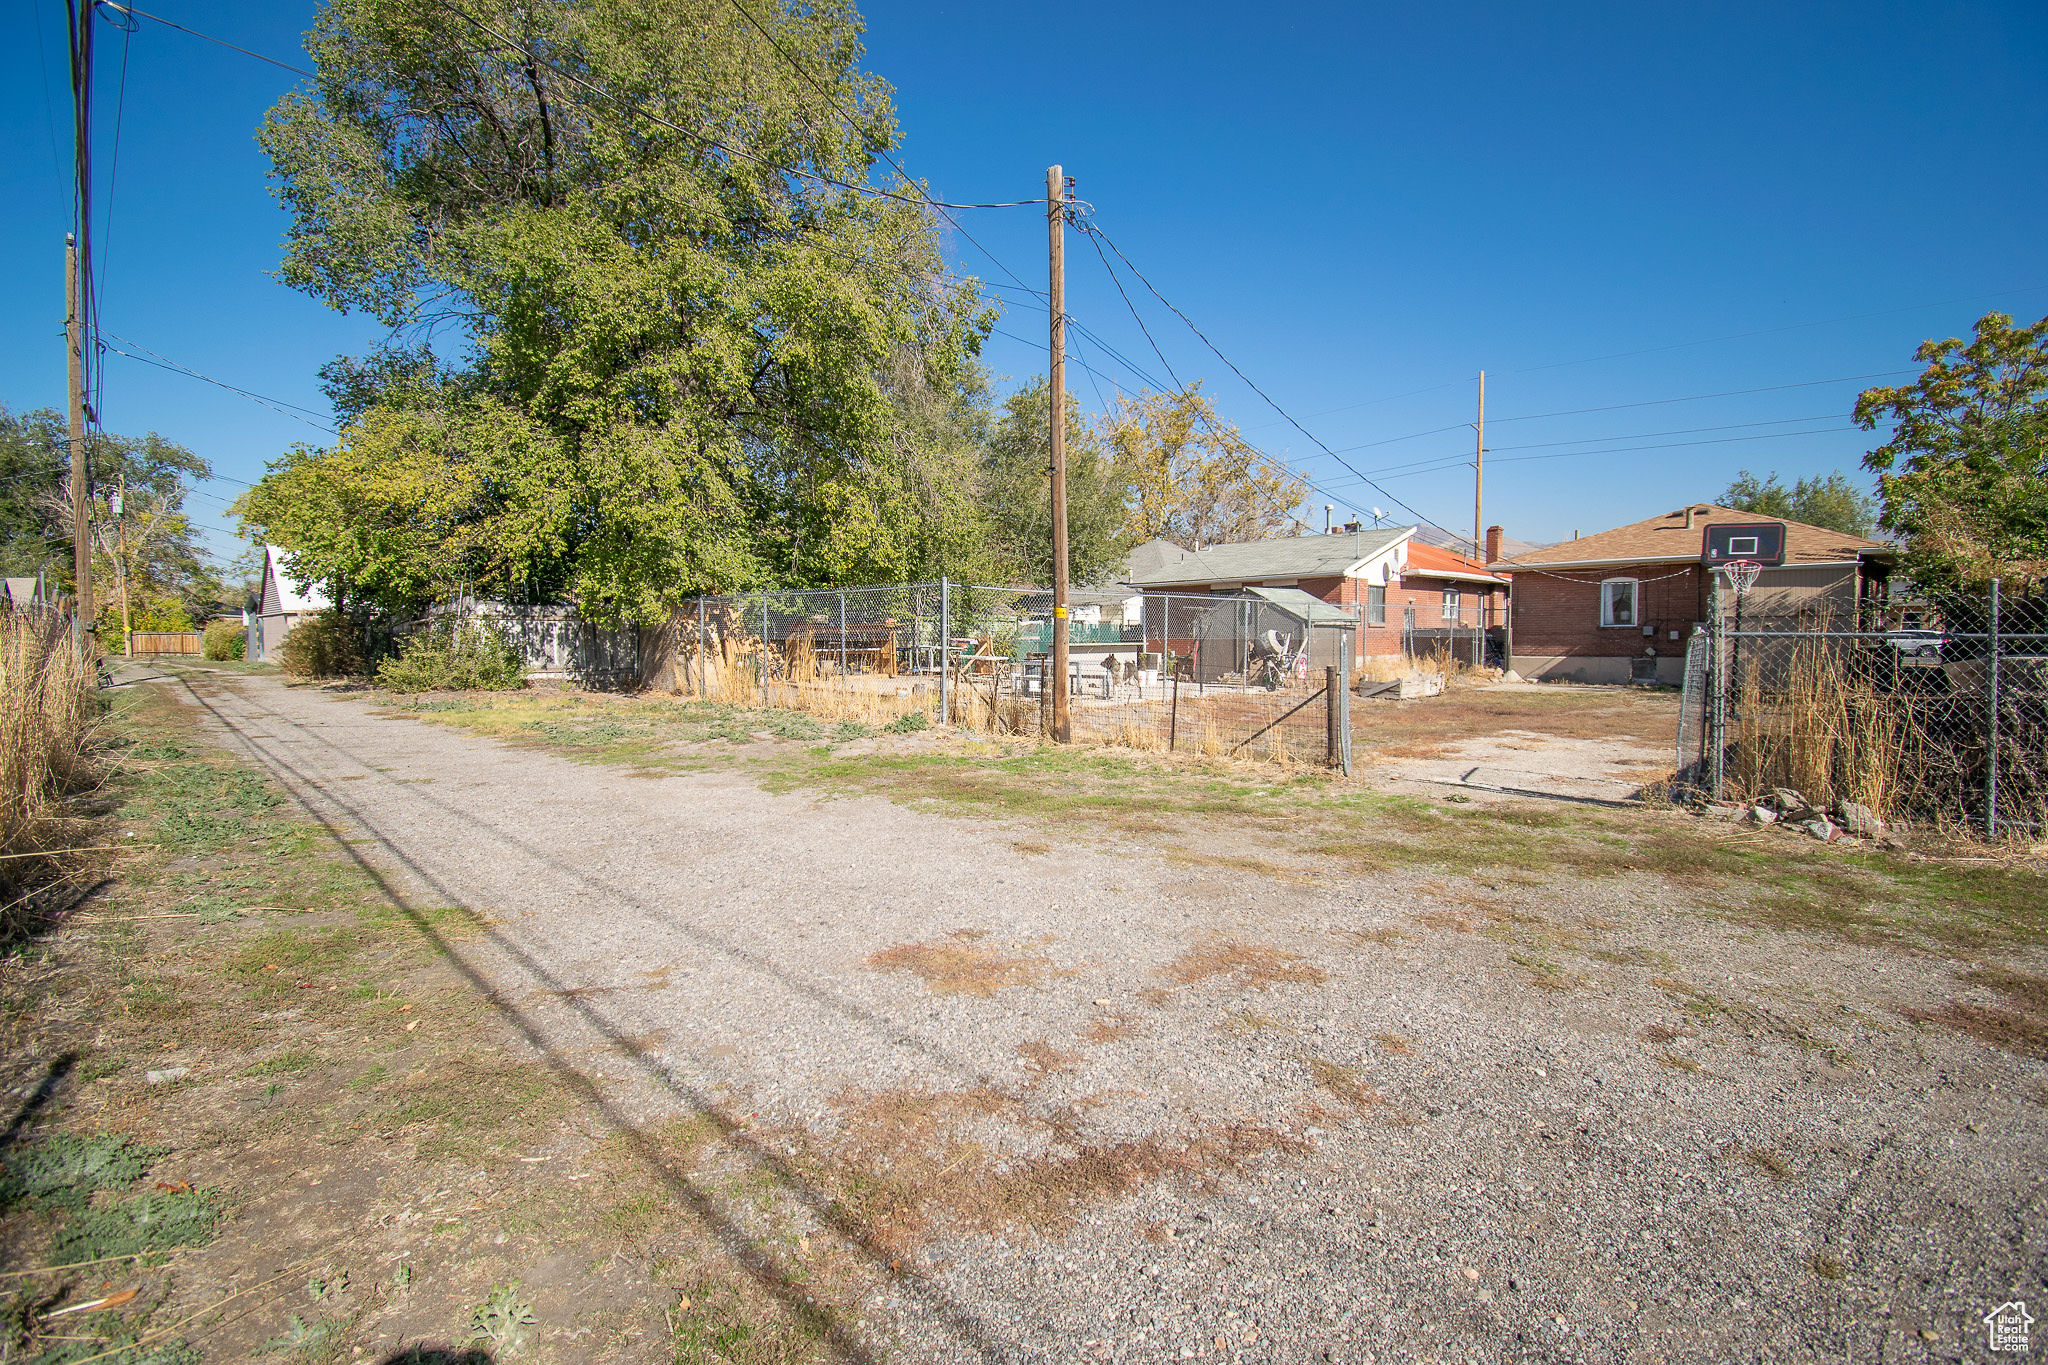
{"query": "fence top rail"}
(2004, 635)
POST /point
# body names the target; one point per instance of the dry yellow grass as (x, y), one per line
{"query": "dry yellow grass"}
(956, 966)
(49, 701)
(1248, 965)
(1811, 723)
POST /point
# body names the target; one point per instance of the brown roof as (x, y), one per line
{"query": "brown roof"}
(1667, 539)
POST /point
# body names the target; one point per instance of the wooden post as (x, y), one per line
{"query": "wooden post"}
(1333, 743)
(1056, 228)
(1173, 716)
(1479, 476)
(81, 527)
(121, 529)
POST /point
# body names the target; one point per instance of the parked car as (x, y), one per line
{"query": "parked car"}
(1918, 644)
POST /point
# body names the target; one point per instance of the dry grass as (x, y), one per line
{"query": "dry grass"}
(1769, 1162)
(908, 1160)
(1343, 1082)
(1247, 965)
(1394, 1043)
(2021, 1027)
(1819, 727)
(49, 702)
(1043, 1060)
(955, 966)
(1385, 936)
(1112, 1028)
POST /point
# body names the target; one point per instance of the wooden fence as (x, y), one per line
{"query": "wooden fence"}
(166, 642)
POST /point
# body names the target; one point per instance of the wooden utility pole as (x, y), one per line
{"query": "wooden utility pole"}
(120, 510)
(1056, 227)
(1479, 477)
(81, 525)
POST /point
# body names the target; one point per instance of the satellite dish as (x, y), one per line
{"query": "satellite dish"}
(1378, 516)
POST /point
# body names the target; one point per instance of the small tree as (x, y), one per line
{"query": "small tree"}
(1964, 477)
(1194, 478)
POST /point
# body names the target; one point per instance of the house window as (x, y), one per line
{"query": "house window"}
(1375, 604)
(1450, 604)
(1618, 602)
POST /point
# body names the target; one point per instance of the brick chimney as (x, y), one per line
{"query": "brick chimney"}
(1493, 534)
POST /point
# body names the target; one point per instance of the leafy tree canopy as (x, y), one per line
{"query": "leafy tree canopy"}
(1193, 478)
(1830, 501)
(1018, 492)
(675, 356)
(1964, 477)
(169, 571)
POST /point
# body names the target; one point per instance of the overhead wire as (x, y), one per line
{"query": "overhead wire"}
(277, 405)
(1093, 229)
(883, 151)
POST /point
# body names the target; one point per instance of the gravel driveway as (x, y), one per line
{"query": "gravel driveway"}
(1172, 1112)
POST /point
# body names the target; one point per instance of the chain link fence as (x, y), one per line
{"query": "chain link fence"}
(1247, 676)
(1936, 712)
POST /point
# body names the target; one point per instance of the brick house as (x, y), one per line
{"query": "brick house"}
(1619, 606)
(1383, 577)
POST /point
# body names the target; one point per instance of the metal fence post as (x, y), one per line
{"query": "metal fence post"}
(764, 647)
(1991, 768)
(945, 651)
(703, 655)
(1332, 747)
(1344, 704)
(1717, 687)
(842, 639)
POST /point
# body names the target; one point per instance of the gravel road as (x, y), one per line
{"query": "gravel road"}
(1339, 1121)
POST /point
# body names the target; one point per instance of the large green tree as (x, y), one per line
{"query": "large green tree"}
(1964, 477)
(1831, 501)
(1018, 492)
(671, 351)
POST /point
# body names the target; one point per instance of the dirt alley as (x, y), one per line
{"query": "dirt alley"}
(1265, 1120)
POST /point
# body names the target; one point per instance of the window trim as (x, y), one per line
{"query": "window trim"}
(1375, 611)
(1452, 605)
(1635, 605)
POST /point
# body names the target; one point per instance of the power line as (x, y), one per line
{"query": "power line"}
(208, 37)
(1618, 407)
(1768, 331)
(276, 405)
(883, 152)
(1456, 461)
(1091, 228)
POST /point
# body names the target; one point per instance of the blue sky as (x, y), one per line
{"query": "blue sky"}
(1604, 206)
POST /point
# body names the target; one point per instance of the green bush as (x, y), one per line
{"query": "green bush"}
(471, 657)
(323, 646)
(224, 640)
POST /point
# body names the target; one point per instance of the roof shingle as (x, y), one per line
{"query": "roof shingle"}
(1668, 539)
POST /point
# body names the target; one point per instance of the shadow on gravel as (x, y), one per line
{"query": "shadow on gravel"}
(39, 1098)
(791, 1293)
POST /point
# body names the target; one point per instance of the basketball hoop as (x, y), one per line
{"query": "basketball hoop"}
(1741, 574)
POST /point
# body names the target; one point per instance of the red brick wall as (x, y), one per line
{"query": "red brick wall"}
(1557, 612)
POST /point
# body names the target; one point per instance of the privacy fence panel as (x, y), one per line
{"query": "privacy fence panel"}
(1237, 676)
(1945, 722)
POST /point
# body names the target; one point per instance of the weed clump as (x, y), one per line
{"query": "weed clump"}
(326, 646)
(473, 657)
(223, 640)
